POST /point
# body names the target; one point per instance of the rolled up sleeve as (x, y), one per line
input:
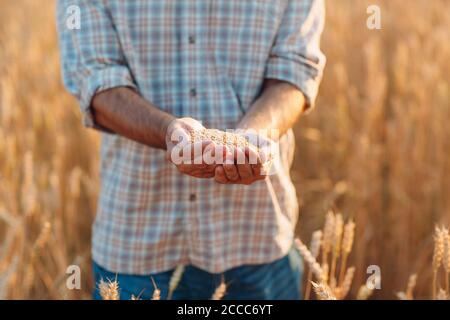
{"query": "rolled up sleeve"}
(296, 56)
(92, 59)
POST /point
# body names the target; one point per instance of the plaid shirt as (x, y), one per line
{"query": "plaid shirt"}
(204, 59)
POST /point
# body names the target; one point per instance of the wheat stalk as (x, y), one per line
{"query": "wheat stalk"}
(316, 239)
(175, 280)
(44, 235)
(325, 272)
(42, 240)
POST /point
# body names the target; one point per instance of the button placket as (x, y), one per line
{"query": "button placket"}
(192, 93)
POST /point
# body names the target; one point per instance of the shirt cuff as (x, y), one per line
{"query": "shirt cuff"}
(305, 78)
(98, 81)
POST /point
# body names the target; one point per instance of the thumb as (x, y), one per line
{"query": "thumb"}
(180, 135)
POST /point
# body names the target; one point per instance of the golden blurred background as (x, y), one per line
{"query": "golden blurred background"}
(377, 148)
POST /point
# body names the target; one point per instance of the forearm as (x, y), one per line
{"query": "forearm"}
(279, 107)
(125, 112)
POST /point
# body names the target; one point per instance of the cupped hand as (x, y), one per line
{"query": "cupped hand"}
(187, 156)
(246, 165)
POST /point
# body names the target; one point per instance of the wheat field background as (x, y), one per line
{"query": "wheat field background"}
(377, 148)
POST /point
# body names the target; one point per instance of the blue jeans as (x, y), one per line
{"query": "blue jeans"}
(278, 280)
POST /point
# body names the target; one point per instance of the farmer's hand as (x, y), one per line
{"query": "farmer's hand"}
(246, 165)
(188, 156)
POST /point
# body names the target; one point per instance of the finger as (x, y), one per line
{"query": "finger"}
(230, 169)
(174, 153)
(244, 169)
(203, 175)
(254, 160)
(257, 171)
(220, 175)
(180, 135)
(207, 145)
(191, 124)
(210, 148)
(252, 155)
(209, 154)
(215, 154)
(220, 154)
(193, 171)
(192, 153)
(199, 150)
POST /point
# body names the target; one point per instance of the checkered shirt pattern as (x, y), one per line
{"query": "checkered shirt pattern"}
(205, 59)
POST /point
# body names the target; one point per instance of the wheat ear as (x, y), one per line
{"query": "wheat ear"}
(442, 295)
(322, 291)
(346, 283)
(220, 291)
(156, 291)
(310, 260)
(337, 238)
(175, 280)
(328, 231)
(408, 294)
(412, 281)
(347, 243)
(446, 261)
(364, 293)
(437, 257)
(314, 247)
(401, 295)
(109, 290)
(138, 297)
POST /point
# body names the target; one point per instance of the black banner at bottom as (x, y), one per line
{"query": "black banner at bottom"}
(223, 309)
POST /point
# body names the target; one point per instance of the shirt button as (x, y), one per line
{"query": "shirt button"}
(193, 92)
(192, 197)
(191, 39)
